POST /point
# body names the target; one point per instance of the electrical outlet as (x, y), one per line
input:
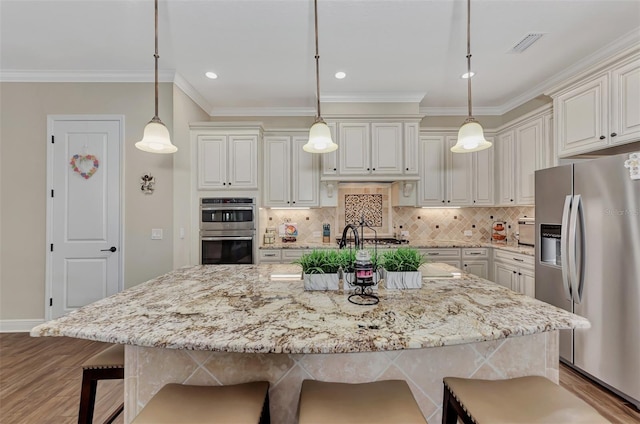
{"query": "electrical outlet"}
(156, 234)
(404, 233)
(317, 234)
(468, 233)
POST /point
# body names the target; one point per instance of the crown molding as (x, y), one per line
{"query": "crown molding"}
(406, 97)
(191, 92)
(263, 111)
(25, 75)
(460, 111)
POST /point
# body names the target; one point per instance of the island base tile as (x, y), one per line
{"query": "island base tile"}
(148, 369)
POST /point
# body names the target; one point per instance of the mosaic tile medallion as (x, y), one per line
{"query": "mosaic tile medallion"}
(369, 205)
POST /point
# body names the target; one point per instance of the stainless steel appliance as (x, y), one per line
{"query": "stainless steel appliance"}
(588, 262)
(526, 231)
(227, 230)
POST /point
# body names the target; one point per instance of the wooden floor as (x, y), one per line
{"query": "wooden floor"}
(40, 383)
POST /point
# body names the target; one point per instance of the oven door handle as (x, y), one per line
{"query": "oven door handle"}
(226, 238)
(226, 208)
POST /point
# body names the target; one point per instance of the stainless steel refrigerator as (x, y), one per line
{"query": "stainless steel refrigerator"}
(588, 262)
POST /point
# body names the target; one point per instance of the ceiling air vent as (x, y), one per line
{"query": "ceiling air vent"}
(526, 42)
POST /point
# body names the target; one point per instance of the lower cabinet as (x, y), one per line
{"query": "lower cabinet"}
(514, 271)
(449, 256)
(476, 261)
(280, 256)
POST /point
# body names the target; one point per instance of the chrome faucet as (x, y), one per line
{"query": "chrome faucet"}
(356, 237)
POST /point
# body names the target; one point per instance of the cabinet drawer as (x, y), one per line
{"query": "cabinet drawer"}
(290, 255)
(514, 258)
(435, 254)
(269, 255)
(475, 253)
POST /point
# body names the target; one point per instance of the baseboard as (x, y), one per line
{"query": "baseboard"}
(18, 325)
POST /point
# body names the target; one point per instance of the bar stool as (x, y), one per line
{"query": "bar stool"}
(106, 365)
(532, 399)
(246, 403)
(378, 402)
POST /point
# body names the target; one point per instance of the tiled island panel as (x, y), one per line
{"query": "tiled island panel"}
(148, 369)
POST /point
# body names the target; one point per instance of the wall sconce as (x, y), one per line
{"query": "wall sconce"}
(147, 183)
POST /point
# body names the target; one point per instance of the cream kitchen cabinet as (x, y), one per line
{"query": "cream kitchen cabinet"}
(330, 160)
(514, 271)
(291, 175)
(280, 256)
(476, 261)
(226, 161)
(600, 110)
(450, 256)
(454, 179)
(521, 150)
(373, 149)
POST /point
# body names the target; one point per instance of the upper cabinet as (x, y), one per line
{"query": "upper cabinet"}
(600, 110)
(454, 179)
(521, 149)
(291, 175)
(371, 150)
(226, 159)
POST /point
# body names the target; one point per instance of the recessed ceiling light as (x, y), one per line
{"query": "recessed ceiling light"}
(340, 75)
(211, 75)
(466, 75)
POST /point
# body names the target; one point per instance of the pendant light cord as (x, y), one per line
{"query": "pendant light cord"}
(156, 56)
(315, 6)
(469, 56)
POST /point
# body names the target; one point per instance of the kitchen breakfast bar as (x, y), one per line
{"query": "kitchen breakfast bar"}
(227, 324)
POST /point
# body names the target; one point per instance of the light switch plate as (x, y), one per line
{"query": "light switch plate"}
(156, 234)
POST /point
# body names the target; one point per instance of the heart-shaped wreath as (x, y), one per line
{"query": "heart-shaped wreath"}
(77, 161)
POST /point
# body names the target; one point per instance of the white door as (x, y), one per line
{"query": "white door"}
(83, 211)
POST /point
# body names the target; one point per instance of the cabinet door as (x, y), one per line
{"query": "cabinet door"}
(527, 282)
(506, 169)
(277, 171)
(478, 268)
(459, 176)
(483, 176)
(212, 162)
(411, 136)
(432, 176)
(505, 275)
(625, 103)
(528, 150)
(243, 161)
(330, 160)
(386, 148)
(581, 117)
(305, 176)
(354, 151)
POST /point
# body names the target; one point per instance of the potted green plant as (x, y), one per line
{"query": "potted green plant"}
(320, 269)
(402, 268)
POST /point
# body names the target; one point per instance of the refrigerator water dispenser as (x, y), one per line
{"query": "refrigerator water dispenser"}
(550, 252)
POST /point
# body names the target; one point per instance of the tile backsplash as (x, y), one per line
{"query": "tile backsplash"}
(422, 224)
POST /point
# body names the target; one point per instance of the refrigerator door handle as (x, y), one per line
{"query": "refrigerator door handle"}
(576, 279)
(563, 246)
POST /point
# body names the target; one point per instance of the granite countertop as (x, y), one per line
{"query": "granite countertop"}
(418, 244)
(239, 308)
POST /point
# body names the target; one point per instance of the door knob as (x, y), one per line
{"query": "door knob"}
(111, 249)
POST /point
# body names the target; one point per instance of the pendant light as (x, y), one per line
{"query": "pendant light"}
(156, 138)
(470, 136)
(319, 134)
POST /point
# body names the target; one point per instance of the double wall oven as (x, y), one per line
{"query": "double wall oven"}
(227, 230)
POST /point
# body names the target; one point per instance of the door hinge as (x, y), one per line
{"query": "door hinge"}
(51, 247)
(51, 192)
(51, 301)
(53, 139)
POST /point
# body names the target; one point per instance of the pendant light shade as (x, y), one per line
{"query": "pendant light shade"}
(470, 136)
(320, 140)
(156, 138)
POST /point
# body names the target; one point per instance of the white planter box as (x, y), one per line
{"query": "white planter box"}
(403, 280)
(321, 281)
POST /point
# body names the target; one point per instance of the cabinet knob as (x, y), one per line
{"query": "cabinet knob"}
(514, 272)
(474, 201)
(448, 201)
(374, 169)
(229, 183)
(294, 202)
(288, 202)
(613, 134)
(519, 273)
(602, 137)
(368, 169)
(407, 169)
(224, 183)
(465, 264)
(443, 201)
(511, 200)
(334, 169)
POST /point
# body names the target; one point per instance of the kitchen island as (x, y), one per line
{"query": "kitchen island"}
(213, 325)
